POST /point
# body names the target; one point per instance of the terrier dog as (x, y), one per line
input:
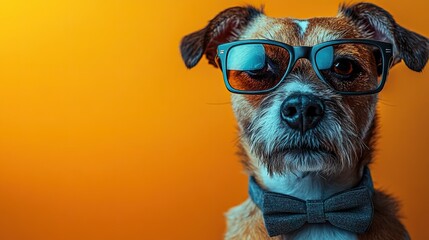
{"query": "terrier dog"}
(305, 94)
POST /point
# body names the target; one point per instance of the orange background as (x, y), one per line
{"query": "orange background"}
(104, 134)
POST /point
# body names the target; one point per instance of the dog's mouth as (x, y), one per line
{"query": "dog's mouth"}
(307, 155)
(303, 158)
(304, 149)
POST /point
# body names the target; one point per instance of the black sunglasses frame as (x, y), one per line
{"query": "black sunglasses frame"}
(298, 52)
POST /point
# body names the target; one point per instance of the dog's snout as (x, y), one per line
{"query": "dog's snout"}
(302, 112)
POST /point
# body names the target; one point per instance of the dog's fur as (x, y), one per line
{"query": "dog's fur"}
(333, 154)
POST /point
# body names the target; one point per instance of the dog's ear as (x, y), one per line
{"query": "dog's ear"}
(225, 27)
(376, 23)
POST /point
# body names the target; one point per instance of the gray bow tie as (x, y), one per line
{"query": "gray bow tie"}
(351, 210)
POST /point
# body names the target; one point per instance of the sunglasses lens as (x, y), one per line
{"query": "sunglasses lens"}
(256, 67)
(351, 67)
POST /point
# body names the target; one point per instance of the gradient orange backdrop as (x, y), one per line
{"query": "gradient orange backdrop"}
(104, 134)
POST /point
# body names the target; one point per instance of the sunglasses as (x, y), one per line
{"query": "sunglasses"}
(348, 66)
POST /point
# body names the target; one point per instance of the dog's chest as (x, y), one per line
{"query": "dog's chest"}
(321, 232)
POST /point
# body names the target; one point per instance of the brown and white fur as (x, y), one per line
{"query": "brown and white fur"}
(347, 130)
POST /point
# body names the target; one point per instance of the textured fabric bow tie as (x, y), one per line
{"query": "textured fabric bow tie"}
(351, 210)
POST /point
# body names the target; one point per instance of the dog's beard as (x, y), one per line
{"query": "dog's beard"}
(326, 149)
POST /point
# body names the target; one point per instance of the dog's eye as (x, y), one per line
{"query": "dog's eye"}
(266, 71)
(257, 72)
(344, 67)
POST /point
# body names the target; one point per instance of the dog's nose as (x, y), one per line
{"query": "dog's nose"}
(302, 112)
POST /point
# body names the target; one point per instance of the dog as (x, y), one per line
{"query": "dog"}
(304, 96)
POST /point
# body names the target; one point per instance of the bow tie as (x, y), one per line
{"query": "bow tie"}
(351, 210)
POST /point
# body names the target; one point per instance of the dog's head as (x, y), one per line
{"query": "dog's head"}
(304, 120)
